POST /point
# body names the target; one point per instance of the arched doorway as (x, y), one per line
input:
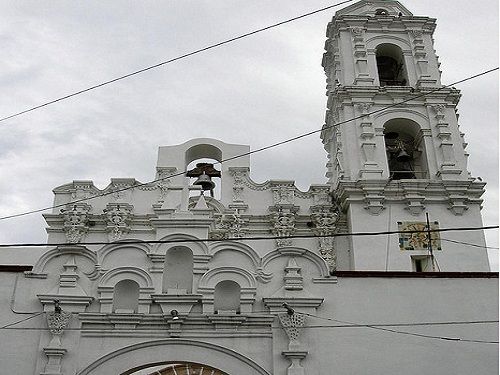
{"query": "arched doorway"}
(176, 369)
(140, 356)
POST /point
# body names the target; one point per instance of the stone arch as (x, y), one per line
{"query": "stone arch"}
(126, 359)
(111, 278)
(239, 247)
(136, 274)
(410, 114)
(375, 41)
(192, 242)
(239, 275)
(298, 252)
(106, 250)
(406, 152)
(246, 281)
(392, 69)
(203, 150)
(76, 250)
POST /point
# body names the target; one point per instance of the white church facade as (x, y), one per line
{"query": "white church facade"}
(360, 275)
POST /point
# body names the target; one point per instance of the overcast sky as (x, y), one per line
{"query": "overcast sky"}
(256, 91)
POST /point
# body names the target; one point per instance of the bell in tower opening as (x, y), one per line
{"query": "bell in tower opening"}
(399, 156)
(390, 66)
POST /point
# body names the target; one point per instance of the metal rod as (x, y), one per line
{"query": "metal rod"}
(430, 241)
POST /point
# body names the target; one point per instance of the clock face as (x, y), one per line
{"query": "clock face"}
(418, 237)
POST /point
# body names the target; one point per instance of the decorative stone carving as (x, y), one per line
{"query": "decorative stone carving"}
(76, 222)
(230, 225)
(118, 218)
(324, 221)
(163, 182)
(293, 277)
(364, 107)
(374, 200)
(292, 325)
(417, 33)
(239, 175)
(57, 321)
(120, 188)
(83, 190)
(283, 195)
(357, 31)
(283, 222)
(321, 196)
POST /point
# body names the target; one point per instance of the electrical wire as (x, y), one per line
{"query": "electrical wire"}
(344, 325)
(20, 321)
(470, 244)
(194, 240)
(139, 184)
(209, 47)
(378, 327)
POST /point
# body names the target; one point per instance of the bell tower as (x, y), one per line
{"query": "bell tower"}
(403, 156)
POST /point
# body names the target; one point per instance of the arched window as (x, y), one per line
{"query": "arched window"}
(126, 297)
(227, 297)
(178, 271)
(406, 157)
(390, 65)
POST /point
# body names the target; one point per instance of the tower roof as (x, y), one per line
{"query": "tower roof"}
(370, 7)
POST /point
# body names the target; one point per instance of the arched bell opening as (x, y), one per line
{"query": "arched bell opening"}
(126, 297)
(203, 169)
(181, 368)
(405, 150)
(178, 271)
(227, 296)
(390, 65)
(205, 173)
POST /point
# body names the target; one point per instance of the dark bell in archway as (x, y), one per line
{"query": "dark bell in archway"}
(403, 157)
(391, 135)
(205, 182)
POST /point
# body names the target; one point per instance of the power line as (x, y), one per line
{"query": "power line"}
(470, 244)
(139, 184)
(259, 238)
(209, 47)
(378, 327)
(346, 325)
(9, 325)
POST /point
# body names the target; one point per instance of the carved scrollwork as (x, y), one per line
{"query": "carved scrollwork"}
(292, 324)
(163, 182)
(283, 195)
(325, 220)
(283, 222)
(57, 321)
(118, 218)
(229, 226)
(75, 223)
(357, 31)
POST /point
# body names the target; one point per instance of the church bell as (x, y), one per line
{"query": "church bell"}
(403, 156)
(205, 181)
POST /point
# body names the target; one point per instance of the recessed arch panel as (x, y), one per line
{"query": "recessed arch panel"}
(126, 360)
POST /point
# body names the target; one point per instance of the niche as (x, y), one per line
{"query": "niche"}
(126, 297)
(227, 297)
(178, 271)
(390, 65)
